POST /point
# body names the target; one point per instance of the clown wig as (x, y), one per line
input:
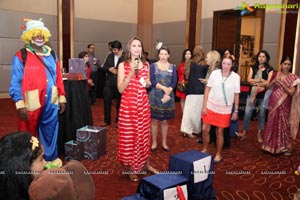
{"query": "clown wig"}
(33, 28)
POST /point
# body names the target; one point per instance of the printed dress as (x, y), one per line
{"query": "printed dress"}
(168, 78)
(134, 122)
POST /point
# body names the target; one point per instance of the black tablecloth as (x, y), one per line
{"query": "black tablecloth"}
(77, 114)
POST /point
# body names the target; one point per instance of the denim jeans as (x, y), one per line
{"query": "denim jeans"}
(234, 125)
(248, 113)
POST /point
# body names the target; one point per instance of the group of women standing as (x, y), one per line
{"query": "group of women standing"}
(211, 95)
(279, 88)
(272, 91)
(204, 99)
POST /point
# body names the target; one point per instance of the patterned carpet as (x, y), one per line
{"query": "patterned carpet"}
(246, 172)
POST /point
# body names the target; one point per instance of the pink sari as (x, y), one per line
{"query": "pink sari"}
(277, 134)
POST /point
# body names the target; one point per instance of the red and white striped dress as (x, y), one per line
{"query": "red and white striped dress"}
(134, 122)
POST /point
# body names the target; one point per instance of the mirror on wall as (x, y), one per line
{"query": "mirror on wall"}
(250, 37)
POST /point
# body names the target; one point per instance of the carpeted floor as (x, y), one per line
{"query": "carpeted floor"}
(246, 172)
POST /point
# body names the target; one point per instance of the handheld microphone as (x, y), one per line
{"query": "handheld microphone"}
(137, 61)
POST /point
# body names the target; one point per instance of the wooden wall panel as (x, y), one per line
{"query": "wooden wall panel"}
(145, 23)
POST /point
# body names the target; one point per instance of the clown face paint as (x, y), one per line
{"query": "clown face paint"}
(38, 40)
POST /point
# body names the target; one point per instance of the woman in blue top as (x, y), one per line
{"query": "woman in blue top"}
(163, 78)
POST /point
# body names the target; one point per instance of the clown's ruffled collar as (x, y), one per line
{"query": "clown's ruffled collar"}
(45, 52)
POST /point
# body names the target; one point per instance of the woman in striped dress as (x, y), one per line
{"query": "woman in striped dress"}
(134, 113)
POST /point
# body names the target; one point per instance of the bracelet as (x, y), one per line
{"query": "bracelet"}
(236, 111)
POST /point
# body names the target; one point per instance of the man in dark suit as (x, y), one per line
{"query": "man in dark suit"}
(110, 89)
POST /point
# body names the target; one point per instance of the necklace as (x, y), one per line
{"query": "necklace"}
(224, 79)
(163, 66)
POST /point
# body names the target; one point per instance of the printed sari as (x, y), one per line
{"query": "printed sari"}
(277, 134)
(295, 110)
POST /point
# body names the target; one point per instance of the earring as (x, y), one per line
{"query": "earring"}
(129, 54)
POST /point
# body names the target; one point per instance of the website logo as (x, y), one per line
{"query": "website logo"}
(278, 8)
(270, 8)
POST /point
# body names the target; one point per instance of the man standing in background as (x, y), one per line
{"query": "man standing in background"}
(110, 89)
(94, 64)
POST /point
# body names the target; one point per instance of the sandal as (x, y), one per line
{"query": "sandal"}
(259, 137)
(204, 151)
(152, 170)
(133, 177)
(188, 135)
(287, 153)
(217, 160)
(241, 136)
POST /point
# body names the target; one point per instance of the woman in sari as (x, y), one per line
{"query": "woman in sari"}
(277, 134)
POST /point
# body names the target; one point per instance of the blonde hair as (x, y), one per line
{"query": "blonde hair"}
(214, 61)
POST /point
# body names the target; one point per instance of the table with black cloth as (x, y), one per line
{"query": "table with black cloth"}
(185, 162)
(77, 113)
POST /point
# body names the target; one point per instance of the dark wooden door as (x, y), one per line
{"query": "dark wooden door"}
(226, 31)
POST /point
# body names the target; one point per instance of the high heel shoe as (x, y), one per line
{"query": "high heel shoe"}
(153, 149)
(241, 136)
(188, 135)
(165, 149)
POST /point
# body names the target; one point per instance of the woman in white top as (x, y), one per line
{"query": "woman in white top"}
(222, 90)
